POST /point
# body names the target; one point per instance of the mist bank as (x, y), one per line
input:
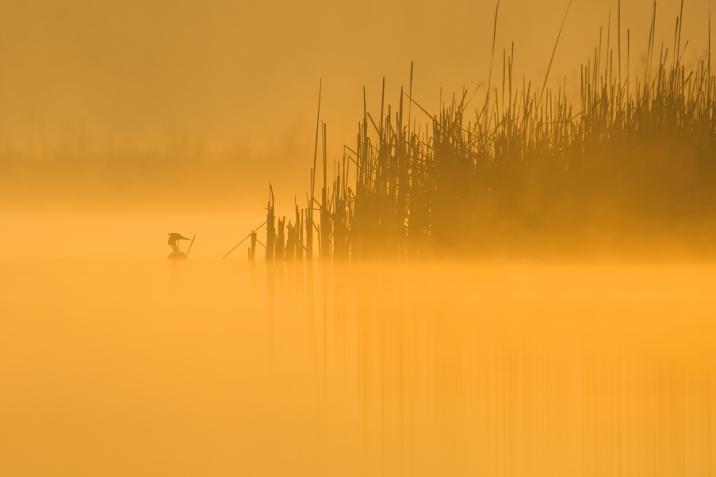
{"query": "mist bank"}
(129, 178)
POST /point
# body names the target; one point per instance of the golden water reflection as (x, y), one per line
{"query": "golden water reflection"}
(496, 369)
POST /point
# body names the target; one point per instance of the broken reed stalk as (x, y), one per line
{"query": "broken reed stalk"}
(309, 209)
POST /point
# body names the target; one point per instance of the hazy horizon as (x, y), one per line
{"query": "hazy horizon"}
(523, 291)
(138, 103)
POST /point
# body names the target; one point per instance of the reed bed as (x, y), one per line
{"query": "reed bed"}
(522, 165)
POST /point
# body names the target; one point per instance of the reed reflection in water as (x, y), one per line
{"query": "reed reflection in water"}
(497, 369)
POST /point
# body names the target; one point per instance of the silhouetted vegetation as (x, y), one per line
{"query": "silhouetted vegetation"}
(526, 166)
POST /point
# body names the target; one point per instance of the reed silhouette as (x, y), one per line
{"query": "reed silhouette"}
(632, 160)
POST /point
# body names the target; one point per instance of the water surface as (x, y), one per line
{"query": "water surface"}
(140, 367)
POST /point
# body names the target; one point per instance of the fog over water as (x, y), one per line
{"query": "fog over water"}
(122, 122)
(221, 368)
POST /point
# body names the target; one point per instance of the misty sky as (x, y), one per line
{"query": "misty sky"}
(241, 77)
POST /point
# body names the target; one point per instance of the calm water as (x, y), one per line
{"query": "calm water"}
(118, 368)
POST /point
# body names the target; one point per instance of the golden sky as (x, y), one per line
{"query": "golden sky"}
(239, 79)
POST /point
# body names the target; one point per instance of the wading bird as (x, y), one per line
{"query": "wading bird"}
(173, 242)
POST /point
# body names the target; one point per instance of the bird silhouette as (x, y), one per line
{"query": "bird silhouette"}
(173, 242)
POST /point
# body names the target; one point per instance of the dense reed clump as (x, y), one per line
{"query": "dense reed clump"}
(633, 160)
